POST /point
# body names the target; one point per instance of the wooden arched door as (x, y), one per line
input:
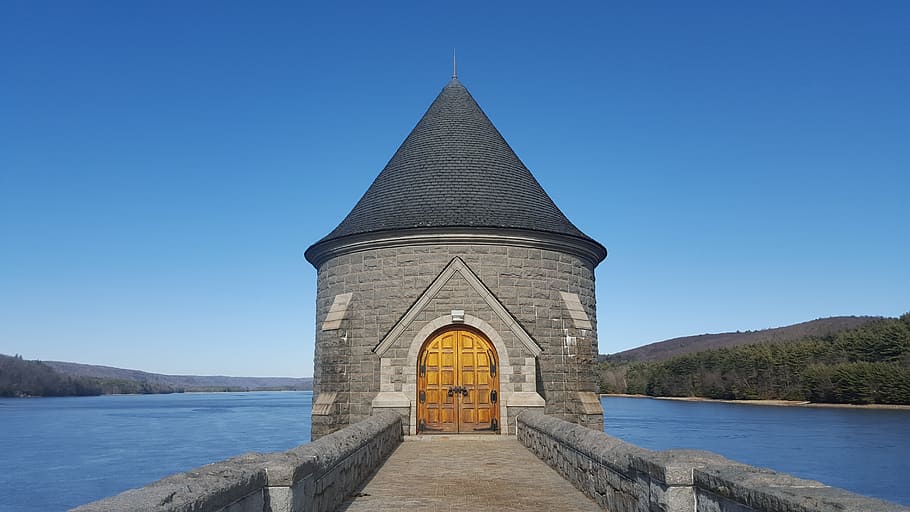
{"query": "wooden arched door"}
(457, 383)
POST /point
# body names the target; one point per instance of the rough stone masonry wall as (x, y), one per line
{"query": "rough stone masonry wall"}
(386, 282)
(621, 477)
(313, 477)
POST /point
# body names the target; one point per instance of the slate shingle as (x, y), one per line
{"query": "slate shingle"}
(454, 170)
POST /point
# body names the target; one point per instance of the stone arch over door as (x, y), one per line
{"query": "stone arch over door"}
(445, 321)
(405, 400)
(516, 395)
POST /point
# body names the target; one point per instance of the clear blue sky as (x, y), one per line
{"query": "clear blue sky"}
(163, 165)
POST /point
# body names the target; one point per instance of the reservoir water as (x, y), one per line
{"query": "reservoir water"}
(57, 453)
(866, 451)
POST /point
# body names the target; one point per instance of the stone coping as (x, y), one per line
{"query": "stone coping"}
(321, 456)
(211, 487)
(716, 484)
(222, 485)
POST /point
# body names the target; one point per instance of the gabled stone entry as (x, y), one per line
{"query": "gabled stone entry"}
(457, 288)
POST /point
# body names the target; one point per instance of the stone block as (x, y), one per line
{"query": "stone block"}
(390, 400)
(525, 399)
(670, 498)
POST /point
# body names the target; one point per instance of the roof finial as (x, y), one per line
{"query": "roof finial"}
(454, 68)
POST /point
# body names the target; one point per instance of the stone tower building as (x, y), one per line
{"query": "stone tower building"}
(455, 293)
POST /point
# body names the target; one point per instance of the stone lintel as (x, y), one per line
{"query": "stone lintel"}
(576, 310)
(337, 312)
(526, 399)
(323, 403)
(387, 399)
(590, 402)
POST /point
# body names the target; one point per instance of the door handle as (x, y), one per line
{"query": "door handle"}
(461, 390)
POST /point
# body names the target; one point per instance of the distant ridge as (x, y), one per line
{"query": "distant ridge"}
(661, 350)
(188, 382)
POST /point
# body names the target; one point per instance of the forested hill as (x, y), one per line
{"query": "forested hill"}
(20, 377)
(190, 382)
(679, 346)
(866, 365)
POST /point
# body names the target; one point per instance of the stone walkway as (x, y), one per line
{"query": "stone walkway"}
(466, 473)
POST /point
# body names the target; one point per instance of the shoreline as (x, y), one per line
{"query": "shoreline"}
(17, 397)
(773, 403)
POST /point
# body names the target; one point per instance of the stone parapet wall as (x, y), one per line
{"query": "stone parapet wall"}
(316, 477)
(622, 477)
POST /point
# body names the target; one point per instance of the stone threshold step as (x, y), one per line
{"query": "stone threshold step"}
(458, 437)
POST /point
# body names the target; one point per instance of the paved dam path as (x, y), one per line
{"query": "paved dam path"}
(476, 473)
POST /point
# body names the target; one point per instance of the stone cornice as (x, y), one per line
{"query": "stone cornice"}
(325, 250)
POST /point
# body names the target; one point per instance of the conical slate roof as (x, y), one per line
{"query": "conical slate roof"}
(454, 170)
